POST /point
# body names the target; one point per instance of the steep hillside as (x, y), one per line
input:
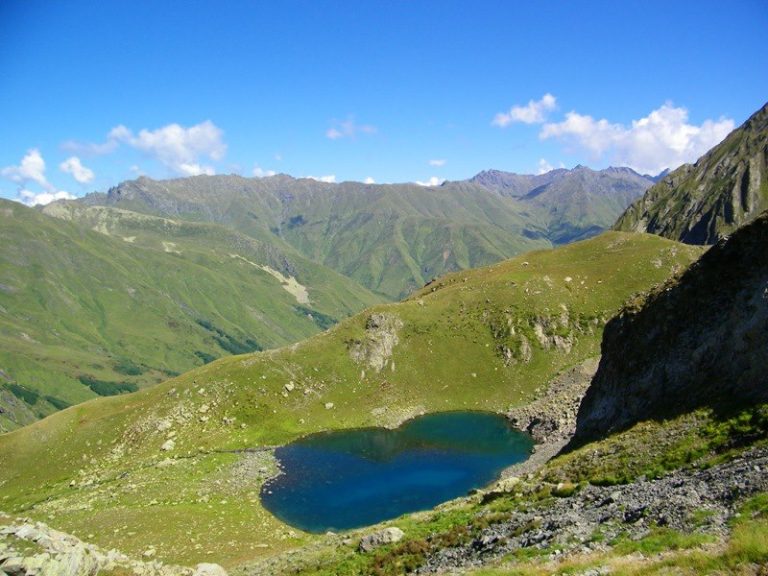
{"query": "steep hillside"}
(85, 314)
(701, 340)
(700, 203)
(390, 238)
(195, 450)
(574, 204)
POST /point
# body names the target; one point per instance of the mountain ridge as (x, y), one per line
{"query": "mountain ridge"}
(700, 203)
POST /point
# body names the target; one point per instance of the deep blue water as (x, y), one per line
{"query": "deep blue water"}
(352, 478)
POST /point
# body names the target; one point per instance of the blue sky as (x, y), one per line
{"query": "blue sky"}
(92, 93)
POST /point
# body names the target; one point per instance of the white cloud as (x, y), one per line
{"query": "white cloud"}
(261, 173)
(544, 166)
(433, 181)
(177, 147)
(330, 178)
(193, 169)
(663, 139)
(72, 165)
(30, 169)
(348, 129)
(535, 112)
(32, 199)
(437, 163)
(369, 180)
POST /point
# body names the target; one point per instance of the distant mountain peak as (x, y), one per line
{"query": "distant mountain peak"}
(579, 202)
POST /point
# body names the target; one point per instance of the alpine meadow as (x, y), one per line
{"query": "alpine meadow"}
(373, 289)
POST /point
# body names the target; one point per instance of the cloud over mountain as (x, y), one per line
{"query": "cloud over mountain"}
(348, 129)
(663, 139)
(74, 166)
(181, 149)
(535, 112)
(31, 170)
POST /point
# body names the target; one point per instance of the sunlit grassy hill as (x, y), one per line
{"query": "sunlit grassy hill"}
(86, 313)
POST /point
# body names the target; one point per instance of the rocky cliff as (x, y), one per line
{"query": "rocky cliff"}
(699, 203)
(701, 340)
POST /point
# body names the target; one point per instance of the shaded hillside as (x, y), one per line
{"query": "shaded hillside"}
(573, 204)
(700, 341)
(700, 203)
(390, 238)
(85, 313)
(478, 339)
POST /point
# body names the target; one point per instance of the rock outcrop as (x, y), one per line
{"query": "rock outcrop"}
(375, 350)
(28, 549)
(701, 340)
(387, 536)
(700, 203)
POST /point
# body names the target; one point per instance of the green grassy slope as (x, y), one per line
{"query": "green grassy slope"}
(483, 339)
(85, 314)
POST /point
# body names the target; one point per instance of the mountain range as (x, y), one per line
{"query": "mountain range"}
(394, 238)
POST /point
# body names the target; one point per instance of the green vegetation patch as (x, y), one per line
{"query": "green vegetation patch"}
(128, 367)
(23, 393)
(323, 321)
(105, 388)
(652, 449)
(660, 540)
(230, 343)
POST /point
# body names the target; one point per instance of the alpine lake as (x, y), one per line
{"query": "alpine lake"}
(351, 478)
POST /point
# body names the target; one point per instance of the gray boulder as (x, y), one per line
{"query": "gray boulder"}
(209, 570)
(380, 538)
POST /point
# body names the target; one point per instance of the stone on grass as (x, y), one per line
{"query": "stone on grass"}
(209, 570)
(380, 538)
